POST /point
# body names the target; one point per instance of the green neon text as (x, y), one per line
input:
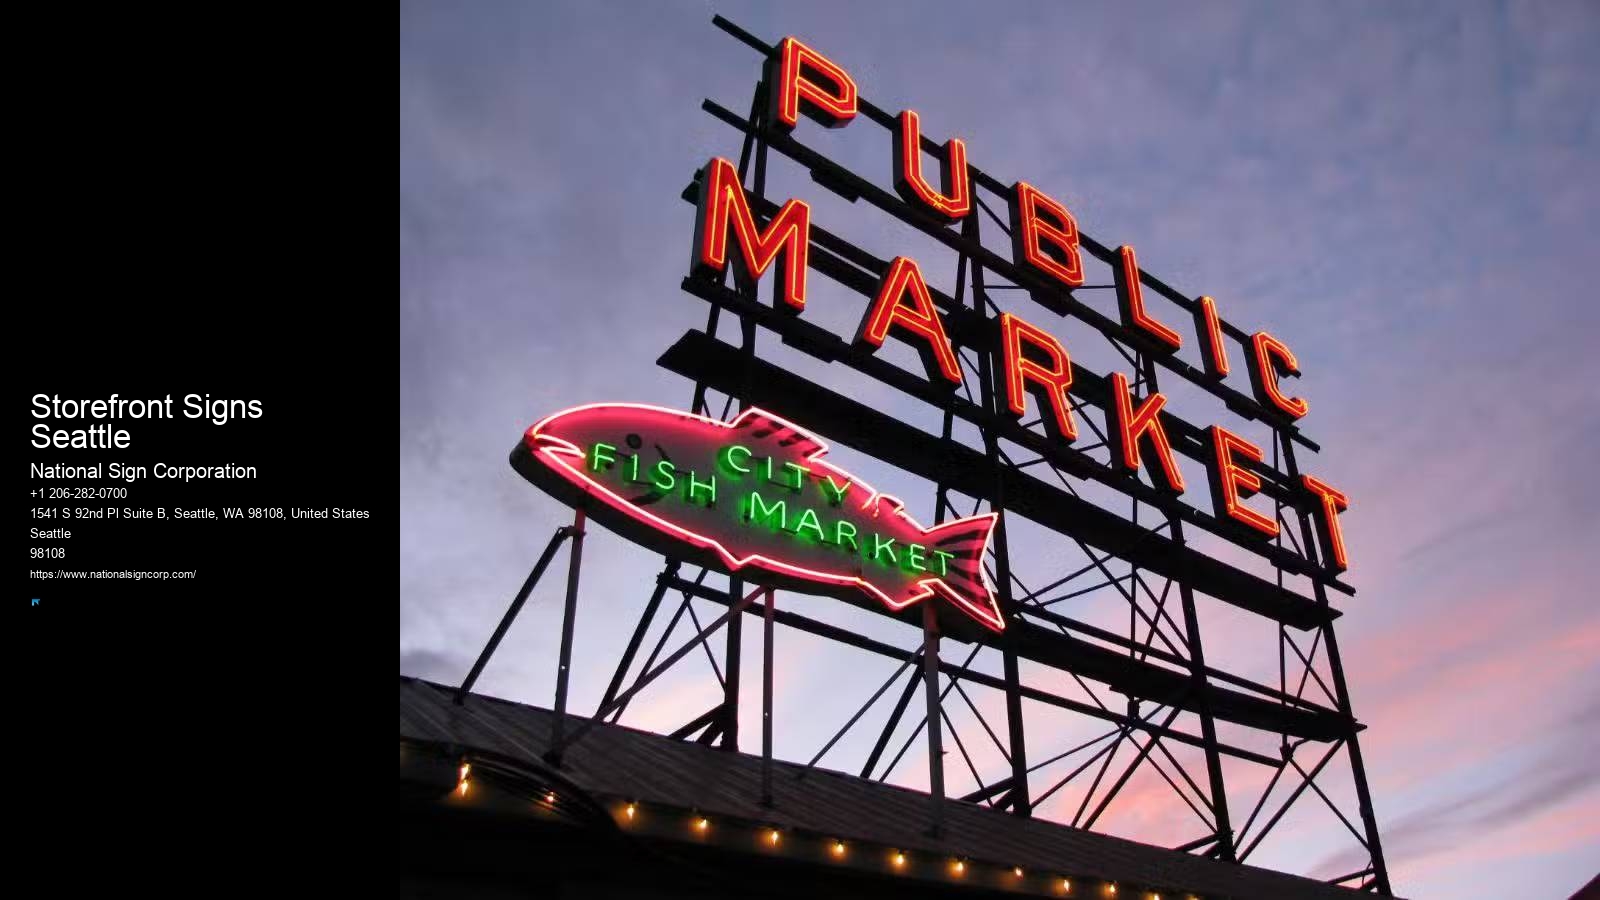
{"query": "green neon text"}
(601, 456)
(696, 487)
(662, 477)
(789, 468)
(881, 547)
(832, 490)
(808, 519)
(727, 463)
(844, 531)
(758, 512)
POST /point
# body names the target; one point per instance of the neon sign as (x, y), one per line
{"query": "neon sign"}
(1045, 251)
(755, 492)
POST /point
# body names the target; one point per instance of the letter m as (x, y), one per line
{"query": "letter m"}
(723, 208)
(775, 516)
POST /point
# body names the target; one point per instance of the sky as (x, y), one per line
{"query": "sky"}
(1407, 194)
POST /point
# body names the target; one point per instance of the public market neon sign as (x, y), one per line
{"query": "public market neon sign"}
(1045, 244)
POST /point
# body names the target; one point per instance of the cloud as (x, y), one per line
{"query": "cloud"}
(1473, 815)
(445, 668)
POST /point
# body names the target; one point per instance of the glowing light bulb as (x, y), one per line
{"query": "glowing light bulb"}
(838, 848)
(550, 797)
(702, 823)
(899, 859)
(461, 782)
(1111, 890)
(958, 867)
(1066, 885)
(1017, 871)
(629, 811)
(773, 837)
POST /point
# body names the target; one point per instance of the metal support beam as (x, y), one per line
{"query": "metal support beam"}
(890, 725)
(1293, 796)
(730, 683)
(930, 681)
(835, 633)
(1197, 672)
(568, 620)
(639, 631)
(644, 680)
(1358, 769)
(1018, 798)
(703, 720)
(1196, 844)
(767, 609)
(549, 553)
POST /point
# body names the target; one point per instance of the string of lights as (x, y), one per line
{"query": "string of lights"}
(546, 792)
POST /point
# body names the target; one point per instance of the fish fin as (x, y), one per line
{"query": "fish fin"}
(760, 428)
(884, 503)
(961, 574)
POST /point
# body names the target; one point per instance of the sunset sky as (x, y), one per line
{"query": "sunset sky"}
(1407, 194)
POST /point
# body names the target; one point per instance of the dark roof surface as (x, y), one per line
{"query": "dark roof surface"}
(620, 762)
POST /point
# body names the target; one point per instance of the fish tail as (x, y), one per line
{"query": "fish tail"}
(961, 572)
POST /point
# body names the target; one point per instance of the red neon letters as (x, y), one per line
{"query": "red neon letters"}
(1045, 242)
(1048, 246)
(956, 199)
(832, 104)
(1332, 503)
(1127, 427)
(1130, 300)
(920, 318)
(723, 206)
(1215, 356)
(1267, 351)
(1050, 382)
(1231, 482)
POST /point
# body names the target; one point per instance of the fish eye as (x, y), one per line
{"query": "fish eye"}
(633, 441)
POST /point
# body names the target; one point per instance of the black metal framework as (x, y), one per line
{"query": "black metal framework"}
(1159, 664)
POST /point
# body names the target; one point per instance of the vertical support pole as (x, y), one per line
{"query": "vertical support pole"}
(747, 346)
(766, 698)
(549, 553)
(558, 729)
(639, 631)
(930, 682)
(1018, 797)
(1358, 768)
(890, 725)
(730, 675)
(757, 104)
(1208, 725)
(1197, 676)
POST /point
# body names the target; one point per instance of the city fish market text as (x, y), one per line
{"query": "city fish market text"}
(757, 491)
(775, 512)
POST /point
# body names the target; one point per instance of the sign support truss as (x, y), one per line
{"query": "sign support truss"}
(1158, 665)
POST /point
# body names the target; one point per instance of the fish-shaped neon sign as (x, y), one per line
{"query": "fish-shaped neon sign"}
(756, 492)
